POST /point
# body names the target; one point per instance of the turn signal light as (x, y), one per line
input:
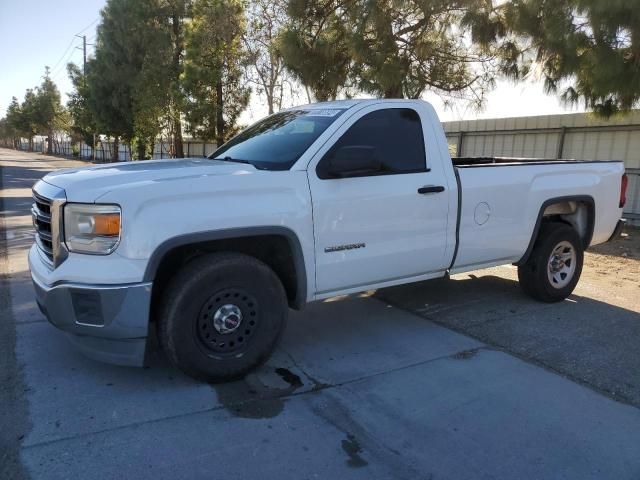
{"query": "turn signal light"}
(107, 224)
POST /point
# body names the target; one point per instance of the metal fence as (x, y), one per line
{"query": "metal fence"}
(104, 149)
(37, 145)
(574, 136)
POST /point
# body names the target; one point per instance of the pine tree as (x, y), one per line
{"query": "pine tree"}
(17, 122)
(314, 47)
(47, 110)
(83, 124)
(28, 119)
(214, 62)
(128, 86)
(589, 50)
(393, 49)
(176, 14)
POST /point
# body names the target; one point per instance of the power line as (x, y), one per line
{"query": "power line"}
(71, 44)
(85, 28)
(63, 66)
(60, 65)
(65, 52)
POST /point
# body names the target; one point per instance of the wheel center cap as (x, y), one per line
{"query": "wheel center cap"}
(556, 264)
(227, 318)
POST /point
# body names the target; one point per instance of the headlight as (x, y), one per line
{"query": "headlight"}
(93, 229)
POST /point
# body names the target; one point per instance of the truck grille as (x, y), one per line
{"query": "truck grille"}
(41, 214)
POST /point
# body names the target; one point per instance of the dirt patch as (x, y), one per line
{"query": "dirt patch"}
(627, 246)
(617, 263)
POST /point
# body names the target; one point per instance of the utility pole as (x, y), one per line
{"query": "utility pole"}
(84, 80)
(84, 55)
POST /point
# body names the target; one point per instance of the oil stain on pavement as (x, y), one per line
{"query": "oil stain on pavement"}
(258, 396)
(353, 449)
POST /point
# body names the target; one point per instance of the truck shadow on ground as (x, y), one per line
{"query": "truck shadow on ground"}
(15, 207)
(627, 246)
(21, 177)
(586, 340)
(16, 201)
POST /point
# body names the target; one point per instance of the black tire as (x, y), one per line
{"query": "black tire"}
(201, 292)
(533, 275)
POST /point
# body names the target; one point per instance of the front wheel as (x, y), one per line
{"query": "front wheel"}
(222, 316)
(553, 269)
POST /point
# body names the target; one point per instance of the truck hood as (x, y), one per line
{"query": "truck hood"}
(87, 184)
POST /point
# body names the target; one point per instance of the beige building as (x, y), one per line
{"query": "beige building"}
(571, 136)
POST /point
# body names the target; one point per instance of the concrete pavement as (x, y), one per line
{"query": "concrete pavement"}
(592, 337)
(358, 389)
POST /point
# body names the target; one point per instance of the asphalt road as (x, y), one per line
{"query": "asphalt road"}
(361, 387)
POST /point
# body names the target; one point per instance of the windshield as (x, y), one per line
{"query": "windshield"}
(279, 140)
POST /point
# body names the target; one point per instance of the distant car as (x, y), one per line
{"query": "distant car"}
(309, 203)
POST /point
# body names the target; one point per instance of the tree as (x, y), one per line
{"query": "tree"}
(16, 121)
(214, 61)
(177, 11)
(393, 49)
(40, 113)
(314, 48)
(154, 86)
(83, 123)
(128, 88)
(7, 134)
(27, 120)
(111, 72)
(589, 49)
(139, 64)
(265, 21)
(47, 111)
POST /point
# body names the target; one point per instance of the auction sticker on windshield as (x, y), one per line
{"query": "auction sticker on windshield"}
(323, 113)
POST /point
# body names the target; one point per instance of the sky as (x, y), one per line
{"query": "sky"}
(35, 33)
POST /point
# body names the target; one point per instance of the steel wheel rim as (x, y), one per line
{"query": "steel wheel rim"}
(561, 266)
(240, 312)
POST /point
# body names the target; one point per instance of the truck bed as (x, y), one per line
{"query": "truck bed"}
(499, 207)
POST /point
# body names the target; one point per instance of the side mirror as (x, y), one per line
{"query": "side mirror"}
(353, 161)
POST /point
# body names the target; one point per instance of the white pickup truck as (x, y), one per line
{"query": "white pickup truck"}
(309, 203)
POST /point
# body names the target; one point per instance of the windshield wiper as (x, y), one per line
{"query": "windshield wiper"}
(234, 160)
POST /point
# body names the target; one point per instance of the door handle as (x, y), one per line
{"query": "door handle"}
(430, 189)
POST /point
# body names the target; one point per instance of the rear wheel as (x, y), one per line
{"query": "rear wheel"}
(222, 316)
(553, 269)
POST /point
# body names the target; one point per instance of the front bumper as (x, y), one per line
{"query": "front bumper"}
(108, 323)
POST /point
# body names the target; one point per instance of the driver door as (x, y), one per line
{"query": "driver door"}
(378, 226)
